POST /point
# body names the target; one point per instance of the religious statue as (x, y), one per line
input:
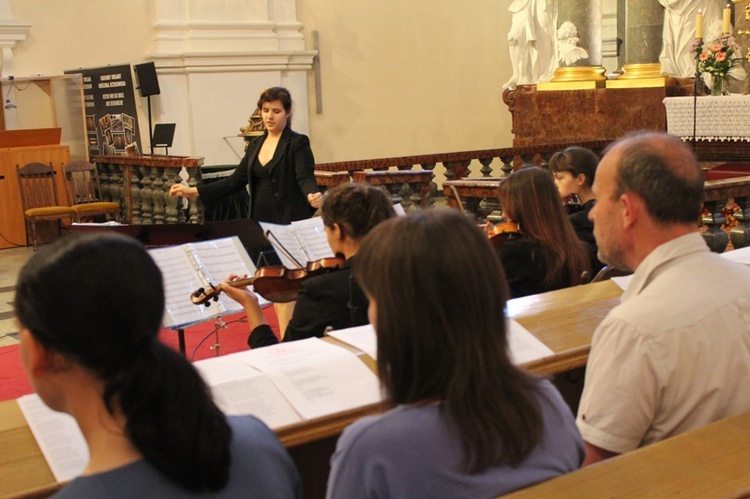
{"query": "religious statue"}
(532, 41)
(677, 58)
(568, 51)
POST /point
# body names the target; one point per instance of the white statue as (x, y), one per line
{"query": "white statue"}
(532, 41)
(568, 51)
(677, 58)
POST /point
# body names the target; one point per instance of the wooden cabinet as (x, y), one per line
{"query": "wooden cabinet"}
(11, 209)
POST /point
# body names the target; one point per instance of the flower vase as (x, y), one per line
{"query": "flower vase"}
(719, 86)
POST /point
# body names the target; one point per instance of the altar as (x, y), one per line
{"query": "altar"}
(717, 118)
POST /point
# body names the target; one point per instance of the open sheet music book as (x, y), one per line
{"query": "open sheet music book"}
(523, 346)
(195, 265)
(290, 382)
(281, 385)
(304, 240)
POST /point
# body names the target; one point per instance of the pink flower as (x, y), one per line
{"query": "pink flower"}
(703, 56)
(721, 56)
(714, 48)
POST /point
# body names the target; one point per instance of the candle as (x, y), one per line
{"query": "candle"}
(699, 24)
(726, 20)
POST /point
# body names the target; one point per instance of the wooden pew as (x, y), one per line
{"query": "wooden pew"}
(564, 320)
(711, 461)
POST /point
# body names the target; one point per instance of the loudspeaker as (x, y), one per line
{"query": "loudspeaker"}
(148, 83)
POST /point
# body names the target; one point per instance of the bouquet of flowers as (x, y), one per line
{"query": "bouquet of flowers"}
(719, 60)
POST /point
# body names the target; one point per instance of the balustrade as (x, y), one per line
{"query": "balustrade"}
(140, 184)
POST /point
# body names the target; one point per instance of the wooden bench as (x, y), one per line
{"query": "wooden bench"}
(711, 461)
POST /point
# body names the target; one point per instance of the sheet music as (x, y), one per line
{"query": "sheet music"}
(191, 266)
(218, 259)
(237, 388)
(623, 281)
(317, 378)
(180, 280)
(361, 337)
(283, 234)
(58, 436)
(740, 255)
(312, 236)
(524, 346)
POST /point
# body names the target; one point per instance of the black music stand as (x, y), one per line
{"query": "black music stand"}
(163, 136)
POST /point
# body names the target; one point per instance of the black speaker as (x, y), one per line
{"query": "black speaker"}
(148, 83)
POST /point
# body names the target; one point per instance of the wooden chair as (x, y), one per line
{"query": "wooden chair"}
(39, 198)
(84, 193)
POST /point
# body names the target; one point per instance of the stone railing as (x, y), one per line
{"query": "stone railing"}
(458, 165)
(140, 184)
(718, 194)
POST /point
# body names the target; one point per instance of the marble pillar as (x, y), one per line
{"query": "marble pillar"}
(586, 16)
(644, 20)
(741, 16)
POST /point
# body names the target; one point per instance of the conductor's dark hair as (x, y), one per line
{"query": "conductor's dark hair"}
(440, 295)
(98, 301)
(577, 161)
(276, 93)
(356, 208)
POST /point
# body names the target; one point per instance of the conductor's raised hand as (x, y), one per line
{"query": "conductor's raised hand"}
(315, 200)
(183, 191)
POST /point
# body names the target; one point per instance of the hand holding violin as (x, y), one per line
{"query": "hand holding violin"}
(245, 297)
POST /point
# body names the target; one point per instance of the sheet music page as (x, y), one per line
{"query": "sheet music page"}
(219, 258)
(740, 255)
(524, 346)
(239, 389)
(317, 378)
(623, 281)
(312, 237)
(284, 235)
(361, 337)
(58, 436)
(399, 209)
(180, 281)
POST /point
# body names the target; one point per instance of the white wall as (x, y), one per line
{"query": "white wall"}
(398, 78)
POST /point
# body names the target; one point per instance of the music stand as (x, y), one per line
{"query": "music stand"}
(163, 136)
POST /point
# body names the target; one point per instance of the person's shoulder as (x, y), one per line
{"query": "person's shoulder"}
(326, 279)
(390, 429)
(296, 137)
(250, 428)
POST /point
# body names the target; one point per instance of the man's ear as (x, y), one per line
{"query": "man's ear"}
(632, 206)
(581, 179)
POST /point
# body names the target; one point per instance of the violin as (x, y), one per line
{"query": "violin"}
(274, 283)
(500, 233)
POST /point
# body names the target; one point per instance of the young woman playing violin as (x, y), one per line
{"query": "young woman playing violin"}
(574, 170)
(545, 253)
(334, 299)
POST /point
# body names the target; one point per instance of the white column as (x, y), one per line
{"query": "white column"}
(214, 58)
(11, 32)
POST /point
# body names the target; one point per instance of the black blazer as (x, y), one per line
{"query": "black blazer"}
(333, 299)
(292, 171)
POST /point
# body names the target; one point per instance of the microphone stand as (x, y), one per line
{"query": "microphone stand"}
(698, 50)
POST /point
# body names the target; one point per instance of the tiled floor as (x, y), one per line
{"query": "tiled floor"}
(11, 261)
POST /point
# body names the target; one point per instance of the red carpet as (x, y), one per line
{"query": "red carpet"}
(200, 344)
